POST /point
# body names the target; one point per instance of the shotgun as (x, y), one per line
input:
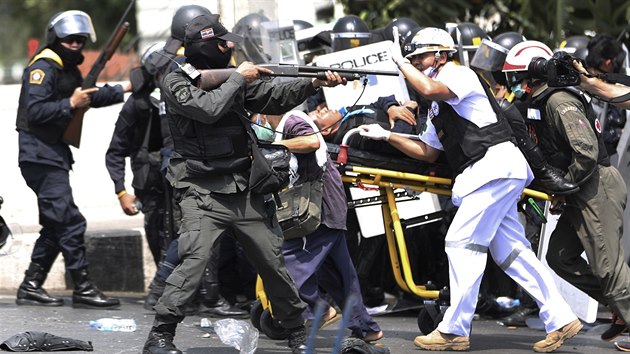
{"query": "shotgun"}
(72, 134)
(213, 78)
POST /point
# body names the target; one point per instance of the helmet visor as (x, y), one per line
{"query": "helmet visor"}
(73, 23)
(489, 56)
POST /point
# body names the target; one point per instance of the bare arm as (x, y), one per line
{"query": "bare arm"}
(414, 149)
(431, 89)
(301, 144)
(601, 88)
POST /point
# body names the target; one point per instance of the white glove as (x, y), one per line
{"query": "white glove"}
(374, 132)
(395, 51)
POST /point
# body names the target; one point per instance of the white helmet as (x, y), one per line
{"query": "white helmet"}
(430, 39)
(520, 56)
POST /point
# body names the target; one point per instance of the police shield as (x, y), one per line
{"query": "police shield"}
(372, 56)
(278, 41)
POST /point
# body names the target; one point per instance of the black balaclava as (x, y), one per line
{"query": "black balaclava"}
(68, 56)
(205, 54)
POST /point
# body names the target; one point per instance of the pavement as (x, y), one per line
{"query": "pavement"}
(400, 330)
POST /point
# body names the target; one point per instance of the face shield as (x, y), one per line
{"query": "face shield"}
(489, 56)
(73, 22)
(348, 40)
(278, 41)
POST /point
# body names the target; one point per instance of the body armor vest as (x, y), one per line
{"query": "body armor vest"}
(463, 141)
(556, 147)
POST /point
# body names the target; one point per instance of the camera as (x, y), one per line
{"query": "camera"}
(557, 71)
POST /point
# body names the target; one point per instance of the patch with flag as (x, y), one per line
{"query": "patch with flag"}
(206, 33)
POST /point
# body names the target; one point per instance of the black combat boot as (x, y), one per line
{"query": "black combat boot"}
(216, 305)
(86, 294)
(155, 292)
(297, 340)
(548, 178)
(31, 292)
(160, 341)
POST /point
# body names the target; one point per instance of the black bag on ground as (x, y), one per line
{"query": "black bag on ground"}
(300, 210)
(43, 342)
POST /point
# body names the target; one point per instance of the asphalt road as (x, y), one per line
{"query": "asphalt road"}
(399, 328)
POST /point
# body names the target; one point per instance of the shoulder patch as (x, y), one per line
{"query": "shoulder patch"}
(37, 77)
(568, 109)
(182, 94)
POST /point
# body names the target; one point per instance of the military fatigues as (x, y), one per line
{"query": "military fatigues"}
(593, 217)
(128, 140)
(45, 160)
(208, 134)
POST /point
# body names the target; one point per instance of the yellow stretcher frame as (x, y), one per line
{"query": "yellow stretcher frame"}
(387, 181)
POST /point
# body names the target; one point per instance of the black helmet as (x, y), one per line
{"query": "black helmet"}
(183, 16)
(349, 32)
(573, 43)
(407, 42)
(67, 23)
(467, 37)
(405, 26)
(251, 48)
(508, 40)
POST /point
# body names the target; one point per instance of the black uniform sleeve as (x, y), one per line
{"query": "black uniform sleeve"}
(107, 96)
(277, 98)
(43, 105)
(121, 143)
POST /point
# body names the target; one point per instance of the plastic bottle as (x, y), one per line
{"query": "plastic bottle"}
(508, 303)
(114, 325)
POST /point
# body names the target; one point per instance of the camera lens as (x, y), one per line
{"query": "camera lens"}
(537, 68)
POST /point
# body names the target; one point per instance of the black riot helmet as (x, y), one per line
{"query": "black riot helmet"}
(68, 23)
(349, 32)
(182, 18)
(251, 48)
(508, 40)
(405, 45)
(405, 27)
(467, 37)
(573, 43)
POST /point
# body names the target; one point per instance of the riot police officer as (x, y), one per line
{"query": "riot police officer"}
(51, 93)
(251, 48)
(349, 32)
(207, 134)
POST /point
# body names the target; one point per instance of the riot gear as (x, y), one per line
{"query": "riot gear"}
(405, 27)
(182, 18)
(69, 23)
(508, 40)
(467, 36)
(250, 49)
(573, 43)
(406, 44)
(300, 25)
(349, 32)
(490, 56)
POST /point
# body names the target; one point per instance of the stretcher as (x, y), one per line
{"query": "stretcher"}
(365, 170)
(396, 178)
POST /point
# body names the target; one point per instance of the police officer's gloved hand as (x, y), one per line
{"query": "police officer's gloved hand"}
(374, 132)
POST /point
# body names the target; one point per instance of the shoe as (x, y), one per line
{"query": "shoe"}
(160, 343)
(297, 340)
(86, 294)
(517, 319)
(222, 308)
(437, 340)
(373, 336)
(331, 317)
(31, 292)
(623, 346)
(551, 180)
(555, 339)
(617, 327)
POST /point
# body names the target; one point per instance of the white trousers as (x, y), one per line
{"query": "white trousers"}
(487, 220)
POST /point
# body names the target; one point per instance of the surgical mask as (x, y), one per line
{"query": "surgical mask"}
(430, 72)
(518, 91)
(263, 133)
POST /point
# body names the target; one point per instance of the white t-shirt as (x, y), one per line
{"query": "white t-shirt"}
(504, 160)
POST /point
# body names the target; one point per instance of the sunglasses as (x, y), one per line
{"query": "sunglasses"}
(73, 39)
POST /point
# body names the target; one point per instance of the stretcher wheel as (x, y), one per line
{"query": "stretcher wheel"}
(255, 312)
(426, 322)
(271, 328)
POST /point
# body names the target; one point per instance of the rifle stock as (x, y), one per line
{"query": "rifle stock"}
(72, 133)
(213, 78)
